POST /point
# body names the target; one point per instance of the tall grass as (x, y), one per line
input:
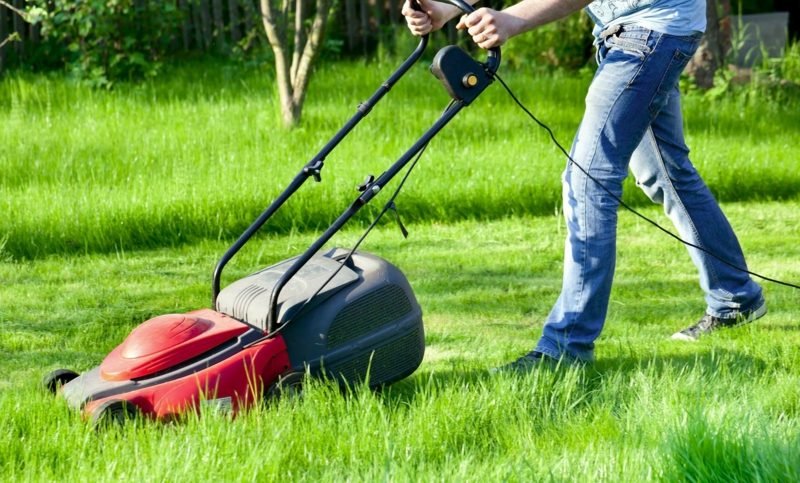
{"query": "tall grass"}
(650, 409)
(198, 153)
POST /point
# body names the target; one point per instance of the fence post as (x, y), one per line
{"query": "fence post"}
(3, 35)
(219, 25)
(205, 20)
(19, 28)
(233, 21)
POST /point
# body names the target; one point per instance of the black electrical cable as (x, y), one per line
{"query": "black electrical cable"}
(390, 204)
(625, 205)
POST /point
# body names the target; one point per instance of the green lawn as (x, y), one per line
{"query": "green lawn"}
(117, 206)
(650, 408)
(197, 155)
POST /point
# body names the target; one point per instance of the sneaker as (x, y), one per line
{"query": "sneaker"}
(709, 323)
(526, 363)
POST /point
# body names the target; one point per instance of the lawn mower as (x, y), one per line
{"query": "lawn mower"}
(341, 314)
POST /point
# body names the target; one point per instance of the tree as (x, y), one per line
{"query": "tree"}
(295, 43)
(710, 55)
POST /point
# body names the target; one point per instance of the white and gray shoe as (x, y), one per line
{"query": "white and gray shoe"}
(709, 323)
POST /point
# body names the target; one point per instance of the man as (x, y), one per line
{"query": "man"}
(632, 121)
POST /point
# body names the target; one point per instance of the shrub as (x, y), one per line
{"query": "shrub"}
(563, 44)
(774, 80)
(104, 40)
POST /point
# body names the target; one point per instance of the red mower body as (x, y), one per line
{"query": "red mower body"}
(166, 341)
(345, 315)
(148, 370)
(365, 326)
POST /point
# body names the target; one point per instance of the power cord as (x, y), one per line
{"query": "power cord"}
(625, 205)
(390, 205)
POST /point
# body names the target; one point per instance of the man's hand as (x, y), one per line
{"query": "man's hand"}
(489, 28)
(432, 17)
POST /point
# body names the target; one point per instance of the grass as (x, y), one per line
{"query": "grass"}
(118, 204)
(649, 409)
(207, 140)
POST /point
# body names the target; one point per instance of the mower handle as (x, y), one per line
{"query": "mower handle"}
(372, 188)
(313, 168)
(493, 60)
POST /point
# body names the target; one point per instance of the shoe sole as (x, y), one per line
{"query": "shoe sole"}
(684, 337)
(754, 315)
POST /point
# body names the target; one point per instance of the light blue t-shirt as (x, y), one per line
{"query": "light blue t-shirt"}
(674, 17)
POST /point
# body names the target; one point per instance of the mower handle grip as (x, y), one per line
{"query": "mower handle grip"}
(493, 60)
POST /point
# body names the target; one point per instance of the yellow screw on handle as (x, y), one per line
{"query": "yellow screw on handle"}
(470, 80)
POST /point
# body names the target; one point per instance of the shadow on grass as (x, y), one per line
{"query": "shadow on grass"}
(180, 224)
(592, 376)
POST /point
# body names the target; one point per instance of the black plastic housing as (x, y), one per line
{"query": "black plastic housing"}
(463, 77)
(364, 326)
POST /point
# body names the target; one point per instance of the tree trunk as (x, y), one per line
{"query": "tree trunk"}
(219, 24)
(351, 19)
(299, 38)
(292, 78)
(377, 8)
(3, 36)
(197, 25)
(250, 16)
(365, 34)
(394, 10)
(19, 28)
(205, 20)
(186, 17)
(710, 55)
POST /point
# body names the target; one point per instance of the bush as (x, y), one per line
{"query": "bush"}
(790, 64)
(774, 80)
(563, 44)
(105, 40)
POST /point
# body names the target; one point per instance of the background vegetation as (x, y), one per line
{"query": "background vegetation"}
(106, 41)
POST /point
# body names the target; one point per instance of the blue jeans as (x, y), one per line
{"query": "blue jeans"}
(633, 121)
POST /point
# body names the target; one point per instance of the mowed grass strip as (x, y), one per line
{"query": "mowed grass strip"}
(197, 154)
(722, 409)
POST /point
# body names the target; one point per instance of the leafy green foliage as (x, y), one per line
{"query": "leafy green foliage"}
(746, 7)
(564, 44)
(774, 80)
(102, 41)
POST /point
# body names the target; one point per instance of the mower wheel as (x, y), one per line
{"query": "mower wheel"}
(289, 385)
(114, 412)
(53, 381)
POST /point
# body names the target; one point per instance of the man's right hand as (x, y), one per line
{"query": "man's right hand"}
(432, 16)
